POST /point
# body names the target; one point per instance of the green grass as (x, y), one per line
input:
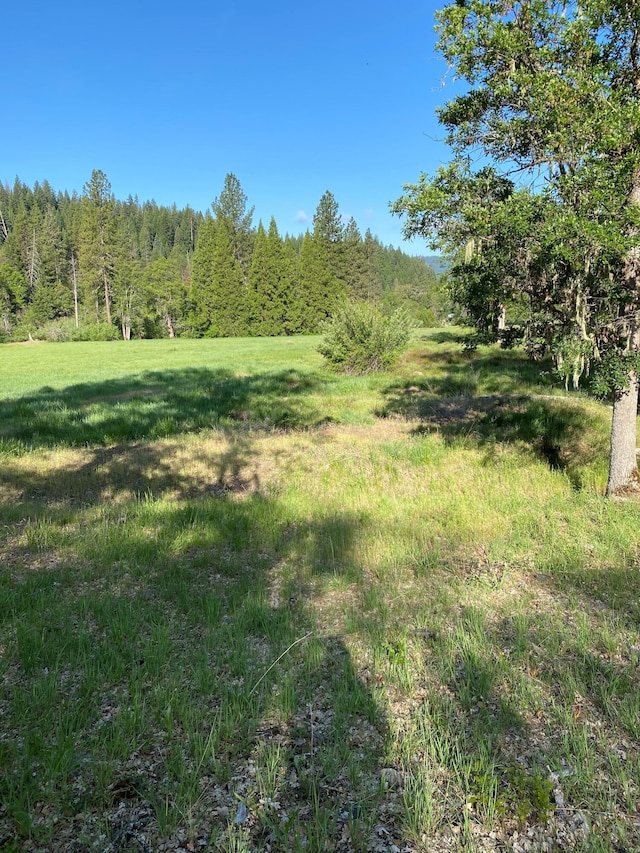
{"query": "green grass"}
(248, 603)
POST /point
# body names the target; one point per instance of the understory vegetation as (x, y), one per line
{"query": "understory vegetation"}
(247, 604)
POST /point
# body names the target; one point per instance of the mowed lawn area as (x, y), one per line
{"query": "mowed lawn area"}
(247, 604)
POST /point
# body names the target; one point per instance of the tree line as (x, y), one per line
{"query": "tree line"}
(90, 266)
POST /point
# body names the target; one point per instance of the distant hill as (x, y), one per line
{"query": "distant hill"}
(437, 263)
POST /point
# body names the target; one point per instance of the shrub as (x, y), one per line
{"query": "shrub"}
(361, 339)
(96, 332)
(61, 329)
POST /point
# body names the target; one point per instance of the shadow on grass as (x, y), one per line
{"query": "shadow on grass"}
(135, 470)
(172, 666)
(455, 371)
(446, 336)
(610, 589)
(481, 398)
(185, 645)
(158, 404)
(170, 659)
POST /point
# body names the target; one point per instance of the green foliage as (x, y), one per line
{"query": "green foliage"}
(230, 210)
(13, 290)
(528, 796)
(228, 291)
(158, 271)
(538, 77)
(361, 339)
(612, 373)
(550, 87)
(271, 281)
(96, 332)
(97, 245)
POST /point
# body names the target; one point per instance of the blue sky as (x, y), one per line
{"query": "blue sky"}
(167, 98)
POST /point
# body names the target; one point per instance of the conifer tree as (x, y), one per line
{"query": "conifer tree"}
(228, 291)
(327, 224)
(97, 238)
(13, 292)
(329, 256)
(201, 297)
(318, 292)
(128, 296)
(273, 281)
(372, 251)
(258, 286)
(295, 308)
(165, 294)
(230, 209)
(355, 263)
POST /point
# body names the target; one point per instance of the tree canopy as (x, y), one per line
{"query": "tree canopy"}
(551, 217)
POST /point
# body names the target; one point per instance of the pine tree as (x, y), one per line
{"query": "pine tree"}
(355, 263)
(230, 209)
(165, 295)
(201, 297)
(258, 282)
(299, 319)
(13, 292)
(97, 238)
(318, 294)
(271, 277)
(295, 304)
(327, 224)
(329, 260)
(372, 251)
(228, 292)
(128, 296)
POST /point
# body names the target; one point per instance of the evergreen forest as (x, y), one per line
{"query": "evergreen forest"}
(91, 267)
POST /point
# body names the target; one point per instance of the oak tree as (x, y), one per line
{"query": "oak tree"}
(552, 110)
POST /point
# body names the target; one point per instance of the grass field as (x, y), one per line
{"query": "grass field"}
(250, 605)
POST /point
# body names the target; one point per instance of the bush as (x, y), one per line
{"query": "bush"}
(56, 330)
(64, 329)
(361, 339)
(96, 332)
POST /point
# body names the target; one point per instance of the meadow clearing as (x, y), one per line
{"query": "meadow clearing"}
(247, 604)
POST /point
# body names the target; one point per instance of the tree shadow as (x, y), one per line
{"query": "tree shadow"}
(184, 645)
(456, 372)
(227, 463)
(158, 404)
(446, 336)
(168, 657)
(608, 589)
(177, 642)
(481, 399)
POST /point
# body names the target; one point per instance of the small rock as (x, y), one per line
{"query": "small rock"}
(241, 814)
(391, 777)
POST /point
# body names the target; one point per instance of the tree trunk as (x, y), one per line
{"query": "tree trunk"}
(502, 318)
(170, 329)
(623, 463)
(623, 466)
(107, 297)
(74, 278)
